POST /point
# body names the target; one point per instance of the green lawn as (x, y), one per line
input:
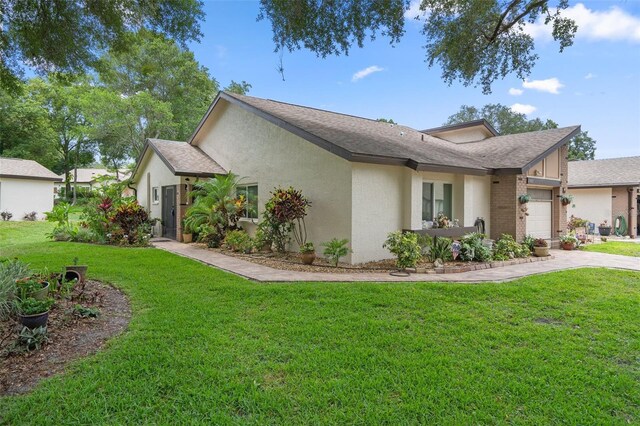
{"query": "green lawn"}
(615, 247)
(208, 347)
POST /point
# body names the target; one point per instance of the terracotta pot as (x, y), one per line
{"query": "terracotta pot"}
(566, 246)
(35, 320)
(308, 258)
(541, 251)
(187, 238)
(80, 269)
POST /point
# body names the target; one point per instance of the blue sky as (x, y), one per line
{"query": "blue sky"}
(595, 83)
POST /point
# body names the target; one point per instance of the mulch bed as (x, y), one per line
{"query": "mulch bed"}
(70, 337)
(293, 262)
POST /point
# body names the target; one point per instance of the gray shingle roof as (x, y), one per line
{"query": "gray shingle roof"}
(25, 169)
(607, 172)
(185, 159)
(362, 139)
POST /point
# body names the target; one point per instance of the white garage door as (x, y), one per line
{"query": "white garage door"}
(539, 219)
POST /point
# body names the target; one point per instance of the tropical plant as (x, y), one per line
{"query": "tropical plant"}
(239, 241)
(32, 339)
(336, 249)
(216, 205)
(307, 248)
(85, 312)
(404, 245)
(507, 248)
(441, 249)
(59, 214)
(6, 215)
(425, 242)
(30, 216)
(133, 220)
(289, 206)
(529, 241)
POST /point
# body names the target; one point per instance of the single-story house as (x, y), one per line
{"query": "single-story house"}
(88, 179)
(25, 186)
(365, 178)
(605, 190)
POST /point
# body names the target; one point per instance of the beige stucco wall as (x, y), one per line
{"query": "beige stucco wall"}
(263, 153)
(153, 173)
(477, 200)
(463, 135)
(593, 204)
(20, 196)
(378, 206)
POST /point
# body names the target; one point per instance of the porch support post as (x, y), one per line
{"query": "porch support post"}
(412, 198)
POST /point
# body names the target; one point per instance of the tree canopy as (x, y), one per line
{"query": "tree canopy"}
(506, 121)
(474, 42)
(68, 35)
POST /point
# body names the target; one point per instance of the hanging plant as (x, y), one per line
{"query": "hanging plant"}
(524, 198)
(566, 199)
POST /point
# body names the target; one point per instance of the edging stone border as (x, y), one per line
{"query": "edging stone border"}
(481, 266)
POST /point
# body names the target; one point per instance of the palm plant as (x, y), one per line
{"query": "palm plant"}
(216, 204)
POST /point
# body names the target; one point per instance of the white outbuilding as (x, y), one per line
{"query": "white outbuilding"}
(26, 186)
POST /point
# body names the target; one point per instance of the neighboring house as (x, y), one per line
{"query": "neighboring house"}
(606, 189)
(25, 186)
(365, 178)
(87, 179)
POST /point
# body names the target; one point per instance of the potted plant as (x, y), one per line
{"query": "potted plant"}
(568, 241)
(187, 233)
(33, 287)
(80, 269)
(308, 253)
(541, 247)
(34, 313)
(524, 198)
(566, 199)
(604, 229)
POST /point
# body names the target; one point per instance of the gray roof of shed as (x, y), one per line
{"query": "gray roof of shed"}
(624, 171)
(365, 140)
(184, 159)
(25, 169)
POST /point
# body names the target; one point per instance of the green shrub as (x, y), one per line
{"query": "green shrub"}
(507, 248)
(425, 242)
(472, 249)
(336, 249)
(31, 306)
(528, 241)
(441, 249)
(84, 312)
(405, 247)
(238, 241)
(31, 340)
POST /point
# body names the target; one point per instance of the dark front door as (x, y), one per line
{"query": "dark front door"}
(169, 212)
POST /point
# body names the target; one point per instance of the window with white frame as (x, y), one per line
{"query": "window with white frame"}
(250, 193)
(155, 195)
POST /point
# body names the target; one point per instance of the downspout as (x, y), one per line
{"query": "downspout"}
(135, 191)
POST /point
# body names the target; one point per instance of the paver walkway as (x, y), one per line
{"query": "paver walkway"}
(562, 260)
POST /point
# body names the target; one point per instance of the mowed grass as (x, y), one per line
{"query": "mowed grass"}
(615, 247)
(207, 347)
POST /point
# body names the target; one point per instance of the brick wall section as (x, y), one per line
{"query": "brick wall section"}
(623, 202)
(559, 212)
(506, 214)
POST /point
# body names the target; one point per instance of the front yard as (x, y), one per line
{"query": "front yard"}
(204, 346)
(615, 247)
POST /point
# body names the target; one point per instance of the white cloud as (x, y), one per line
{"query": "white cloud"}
(550, 85)
(614, 24)
(365, 72)
(589, 76)
(221, 51)
(515, 92)
(414, 11)
(523, 108)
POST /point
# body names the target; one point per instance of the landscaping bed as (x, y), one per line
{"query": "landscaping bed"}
(293, 262)
(70, 337)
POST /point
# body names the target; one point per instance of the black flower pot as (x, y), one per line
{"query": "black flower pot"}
(605, 231)
(35, 320)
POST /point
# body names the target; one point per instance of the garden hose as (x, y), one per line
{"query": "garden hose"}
(620, 226)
